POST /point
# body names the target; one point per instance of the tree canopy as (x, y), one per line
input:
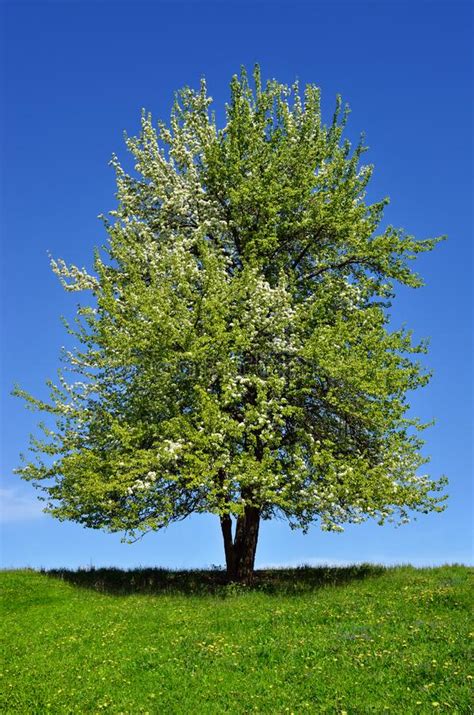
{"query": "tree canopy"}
(236, 356)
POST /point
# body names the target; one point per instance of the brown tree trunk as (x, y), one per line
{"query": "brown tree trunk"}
(226, 526)
(240, 551)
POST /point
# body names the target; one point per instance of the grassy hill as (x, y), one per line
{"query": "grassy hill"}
(355, 640)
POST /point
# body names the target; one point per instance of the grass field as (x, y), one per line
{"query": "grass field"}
(351, 640)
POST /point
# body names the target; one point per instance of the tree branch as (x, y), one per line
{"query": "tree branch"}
(335, 266)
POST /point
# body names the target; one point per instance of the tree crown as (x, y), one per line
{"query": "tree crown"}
(238, 351)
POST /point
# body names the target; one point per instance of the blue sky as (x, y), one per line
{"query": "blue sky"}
(76, 75)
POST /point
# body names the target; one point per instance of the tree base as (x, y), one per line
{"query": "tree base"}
(240, 550)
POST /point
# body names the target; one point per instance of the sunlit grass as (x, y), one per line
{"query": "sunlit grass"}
(357, 640)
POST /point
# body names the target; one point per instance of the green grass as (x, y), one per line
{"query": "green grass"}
(357, 640)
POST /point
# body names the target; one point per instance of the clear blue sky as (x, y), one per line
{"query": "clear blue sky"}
(76, 75)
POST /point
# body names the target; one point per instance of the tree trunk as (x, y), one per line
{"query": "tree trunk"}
(226, 526)
(240, 550)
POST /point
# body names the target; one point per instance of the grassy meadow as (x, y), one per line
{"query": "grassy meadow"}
(363, 639)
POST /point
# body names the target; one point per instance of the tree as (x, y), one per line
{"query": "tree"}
(236, 356)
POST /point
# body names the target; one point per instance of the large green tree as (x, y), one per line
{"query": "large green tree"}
(236, 357)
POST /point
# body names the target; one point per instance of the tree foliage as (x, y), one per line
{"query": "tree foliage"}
(237, 354)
